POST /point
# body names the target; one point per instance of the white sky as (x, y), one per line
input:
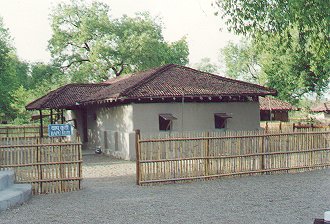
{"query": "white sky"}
(28, 23)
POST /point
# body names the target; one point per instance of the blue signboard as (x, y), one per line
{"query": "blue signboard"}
(57, 130)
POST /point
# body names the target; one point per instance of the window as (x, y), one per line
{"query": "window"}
(220, 120)
(165, 122)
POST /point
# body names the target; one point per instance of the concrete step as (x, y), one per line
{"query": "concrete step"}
(14, 195)
(7, 178)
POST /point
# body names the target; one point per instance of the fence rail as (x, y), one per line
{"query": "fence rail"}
(51, 165)
(22, 131)
(189, 156)
(290, 127)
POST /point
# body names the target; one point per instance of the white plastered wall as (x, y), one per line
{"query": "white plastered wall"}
(113, 129)
(197, 116)
(71, 115)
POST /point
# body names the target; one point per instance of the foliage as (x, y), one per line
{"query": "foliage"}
(8, 79)
(20, 82)
(311, 17)
(290, 40)
(42, 79)
(269, 61)
(21, 97)
(242, 61)
(86, 42)
(206, 65)
(42, 74)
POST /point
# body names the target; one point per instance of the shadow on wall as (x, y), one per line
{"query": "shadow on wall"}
(116, 118)
(119, 144)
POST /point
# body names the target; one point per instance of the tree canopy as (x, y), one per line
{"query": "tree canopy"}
(41, 79)
(22, 82)
(311, 17)
(290, 42)
(8, 72)
(269, 61)
(242, 61)
(206, 65)
(91, 46)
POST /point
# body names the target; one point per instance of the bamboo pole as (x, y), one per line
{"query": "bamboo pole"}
(207, 154)
(137, 155)
(39, 166)
(80, 174)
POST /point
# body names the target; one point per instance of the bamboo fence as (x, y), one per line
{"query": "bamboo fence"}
(284, 127)
(22, 131)
(188, 156)
(51, 165)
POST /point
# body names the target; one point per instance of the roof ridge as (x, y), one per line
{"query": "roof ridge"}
(154, 74)
(230, 79)
(88, 84)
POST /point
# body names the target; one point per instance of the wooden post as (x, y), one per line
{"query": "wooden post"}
(84, 125)
(263, 145)
(266, 128)
(80, 165)
(280, 126)
(41, 132)
(62, 116)
(137, 155)
(51, 116)
(39, 167)
(57, 115)
(207, 154)
(62, 176)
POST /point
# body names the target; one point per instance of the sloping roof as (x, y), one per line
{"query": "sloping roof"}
(174, 81)
(162, 82)
(323, 107)
(65, 97)
(270, 103)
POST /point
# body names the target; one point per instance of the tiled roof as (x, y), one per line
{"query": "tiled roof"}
(174, 81)
(162, 82)
(65, 97)
(270, 103)
(323, 107)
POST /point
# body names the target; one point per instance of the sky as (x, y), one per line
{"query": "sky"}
(29, 25)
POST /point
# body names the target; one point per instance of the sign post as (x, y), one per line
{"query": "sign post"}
(59, 130)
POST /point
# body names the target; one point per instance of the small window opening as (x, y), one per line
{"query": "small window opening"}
(165, 122)
(220, 120)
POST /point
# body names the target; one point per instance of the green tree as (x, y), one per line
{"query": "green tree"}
(21, 97)
(242, 61)
(270, 61)
(311, 17)
(41, 79)
(8, 78)
(293, 38)
(91, 46)
(206, 65)
(291, 69)
(41, 73)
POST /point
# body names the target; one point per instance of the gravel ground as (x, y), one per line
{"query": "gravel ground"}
(108, 196)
